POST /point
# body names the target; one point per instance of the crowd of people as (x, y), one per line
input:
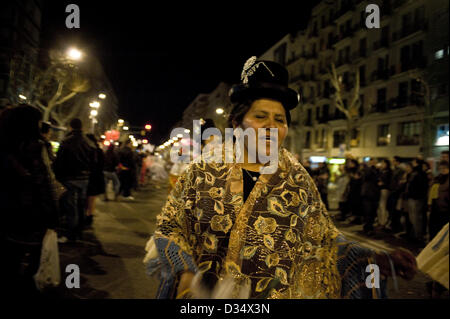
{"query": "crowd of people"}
(42, 190)
(395, 196)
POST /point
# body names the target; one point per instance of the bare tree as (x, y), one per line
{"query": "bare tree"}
(351, 110)
(51, 88)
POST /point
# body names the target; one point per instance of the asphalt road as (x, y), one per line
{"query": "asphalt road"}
(110, 255)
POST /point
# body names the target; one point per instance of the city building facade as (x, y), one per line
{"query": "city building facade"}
(403, 72)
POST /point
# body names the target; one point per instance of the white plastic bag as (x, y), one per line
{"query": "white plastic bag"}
(48, 274)
(433, 260)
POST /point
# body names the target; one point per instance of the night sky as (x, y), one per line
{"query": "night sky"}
(159, 57)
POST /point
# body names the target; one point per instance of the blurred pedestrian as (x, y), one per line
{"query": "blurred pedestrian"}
(354, 206)
(307, 166)
(110, 171)
(396, 189)
(75, 160)
(127, 169)
(28, 200)
(370, 194)
(45, 134)
(322, 179)
(444, 156)
(439, 200)
(342, 189)
(384, 183)
(417, 193)
(96, 185)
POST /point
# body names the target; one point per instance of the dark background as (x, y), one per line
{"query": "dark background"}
(160, 56)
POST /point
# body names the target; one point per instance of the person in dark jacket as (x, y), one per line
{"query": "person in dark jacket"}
(28, 200)
(416, 193)
(396, 188)
(354, 192)
(96, 184)
(110, 170)
(127, 170)
(370, 195)
(75, 160)
(384, 183)
(439, 196)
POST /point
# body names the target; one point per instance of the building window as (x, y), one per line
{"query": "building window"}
(442, 135)
(339, 138)
(439, 54)
(384, 137)
(355, 137)
(280, 54)
(361, 106)
(409, 134)
(309, 118)
(308, 139)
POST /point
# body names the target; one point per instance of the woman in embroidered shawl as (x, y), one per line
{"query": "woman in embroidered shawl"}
(270, 233)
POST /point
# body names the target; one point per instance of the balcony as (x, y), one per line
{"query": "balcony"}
(383, 43)
(344, 9)
(398, 3)
(408, 30)
(295, 78)
(380, 107)
(377, 75)
(313, 34)
(417, 63)
(342, 61)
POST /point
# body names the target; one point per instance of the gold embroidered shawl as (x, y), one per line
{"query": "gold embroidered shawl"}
(281, 239)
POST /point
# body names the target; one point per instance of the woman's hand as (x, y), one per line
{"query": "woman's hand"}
(405, 264)
(184, 284)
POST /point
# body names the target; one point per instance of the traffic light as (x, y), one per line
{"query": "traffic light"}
(148, 127)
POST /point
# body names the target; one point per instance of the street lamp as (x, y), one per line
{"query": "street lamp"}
(125, 128)
(148, 127)
(120, 121)
(94, 113)
(22, 97)
(94, 104)
(74, 54)
(102, 96)
(219, 111)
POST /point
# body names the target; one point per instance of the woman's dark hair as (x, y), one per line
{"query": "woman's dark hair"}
(240, 109)
(19, 125)
(387, 162)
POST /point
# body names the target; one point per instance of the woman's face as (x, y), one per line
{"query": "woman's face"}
(267, 114)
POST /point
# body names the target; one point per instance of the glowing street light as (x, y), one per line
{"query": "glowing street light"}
(22, 97)
(74, 54)
(94, 104)
(219, 111)
(120, 121)
(94, 113)
(103, 137)
(125, 128)
(144, 141)
(148, 127)
(102, 96)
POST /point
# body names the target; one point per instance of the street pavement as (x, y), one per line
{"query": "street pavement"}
(111, 252)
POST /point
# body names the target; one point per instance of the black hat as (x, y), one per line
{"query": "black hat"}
(268, 79)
